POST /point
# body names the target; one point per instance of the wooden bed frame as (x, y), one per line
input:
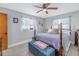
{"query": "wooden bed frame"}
(59, 52)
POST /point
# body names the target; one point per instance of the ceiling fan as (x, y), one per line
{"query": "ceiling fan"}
(45, 7)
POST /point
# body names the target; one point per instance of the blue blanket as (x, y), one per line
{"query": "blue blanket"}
(52, 39)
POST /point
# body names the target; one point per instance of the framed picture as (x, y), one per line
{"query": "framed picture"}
(15, 20)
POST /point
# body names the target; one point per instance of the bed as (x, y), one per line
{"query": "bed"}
(59, 41)
(54, 40)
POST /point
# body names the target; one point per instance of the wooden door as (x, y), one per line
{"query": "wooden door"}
(3, 31)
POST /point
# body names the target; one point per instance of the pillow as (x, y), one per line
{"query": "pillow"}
(50, 30)
(41, 44)
(53, 31)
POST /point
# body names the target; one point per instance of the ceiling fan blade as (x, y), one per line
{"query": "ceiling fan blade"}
(46, 12)
(38, 11)
(37, 6)
(45, 5)
(52, 8)
(48, 4)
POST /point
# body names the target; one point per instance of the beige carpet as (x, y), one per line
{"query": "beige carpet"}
(22, 50)
(73, 51)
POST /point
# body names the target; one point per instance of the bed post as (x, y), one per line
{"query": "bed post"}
(34, 33)
(61, 46)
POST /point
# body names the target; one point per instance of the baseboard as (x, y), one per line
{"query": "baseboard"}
(19, 43)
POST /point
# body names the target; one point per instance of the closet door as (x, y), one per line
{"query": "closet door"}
(3, 31)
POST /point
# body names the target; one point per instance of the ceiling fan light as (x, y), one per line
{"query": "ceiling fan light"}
(44, 9)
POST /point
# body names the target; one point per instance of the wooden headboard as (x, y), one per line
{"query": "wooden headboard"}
(45, 30)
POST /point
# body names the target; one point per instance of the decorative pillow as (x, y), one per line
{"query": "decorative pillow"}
(41, 44)
(53, 31)
(50, 30)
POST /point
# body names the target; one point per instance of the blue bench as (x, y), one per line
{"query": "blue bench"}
(40, 52)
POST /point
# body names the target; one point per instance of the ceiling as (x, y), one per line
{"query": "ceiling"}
(29, 8)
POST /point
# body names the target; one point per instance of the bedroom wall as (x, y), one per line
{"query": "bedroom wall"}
(74, 22)
(15, 35)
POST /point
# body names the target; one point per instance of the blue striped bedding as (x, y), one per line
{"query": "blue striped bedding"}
(52, 39)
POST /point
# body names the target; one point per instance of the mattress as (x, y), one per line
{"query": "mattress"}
(52, 39)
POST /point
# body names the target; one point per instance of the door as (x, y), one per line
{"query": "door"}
(3, 31)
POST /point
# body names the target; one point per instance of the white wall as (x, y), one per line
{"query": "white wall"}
(15, 35)
(74, 24)
(74, 21)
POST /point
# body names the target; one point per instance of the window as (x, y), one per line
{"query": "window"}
(56, 23)
(28, 24)
(64, 21)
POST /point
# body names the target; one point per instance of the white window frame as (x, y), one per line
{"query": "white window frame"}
(28, 24)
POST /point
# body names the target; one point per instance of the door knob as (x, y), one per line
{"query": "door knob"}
(6, 33)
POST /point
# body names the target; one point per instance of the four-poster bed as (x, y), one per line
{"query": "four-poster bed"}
(57, 52)
(55, 40)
